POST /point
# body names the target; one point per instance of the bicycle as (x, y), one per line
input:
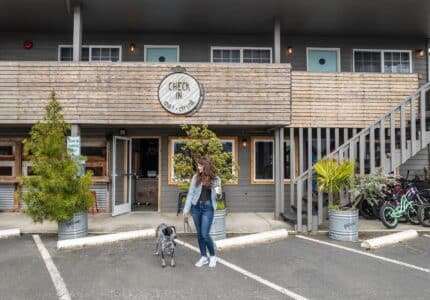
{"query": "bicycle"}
(408, 206)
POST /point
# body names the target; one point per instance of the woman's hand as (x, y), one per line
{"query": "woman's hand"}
(186, 215)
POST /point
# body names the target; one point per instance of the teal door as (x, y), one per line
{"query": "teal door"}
(320, 60)
(161, 54)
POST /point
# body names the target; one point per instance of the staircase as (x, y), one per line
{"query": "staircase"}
(385, 145)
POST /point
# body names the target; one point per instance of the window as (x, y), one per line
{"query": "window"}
(241, 55)
(367, 61)
(91, 53)
(95, 151)
(263, 160)
(175, 147)
(226, 56)
(7, 159)
(385, 61)
(262, 154)
(26, 168)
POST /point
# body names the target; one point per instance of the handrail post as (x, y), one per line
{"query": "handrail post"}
(382, 143)
(402, 134)
(309, 189)
(423, 117)
(320, 196)
(392, 141)
(292, 165)
(413, 127)
(299, 204)
(362, 147)
(372, 149)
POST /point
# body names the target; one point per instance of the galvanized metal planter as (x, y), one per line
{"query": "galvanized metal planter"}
(343, 225)
(75, 228)
(218, 228)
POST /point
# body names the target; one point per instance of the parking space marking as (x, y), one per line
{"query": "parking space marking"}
(393, 261)
(248, 274)
(426, 235)
(58, 281)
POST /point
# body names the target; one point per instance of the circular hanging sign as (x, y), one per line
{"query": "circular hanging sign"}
(179, 93)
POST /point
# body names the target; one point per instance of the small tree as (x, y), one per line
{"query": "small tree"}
(201, 141)
(55, 192)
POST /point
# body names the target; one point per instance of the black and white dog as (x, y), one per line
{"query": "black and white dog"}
(165, 243)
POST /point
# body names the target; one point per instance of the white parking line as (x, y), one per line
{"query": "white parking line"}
(393, 261)
(426, 235)
(248, 274)
(58, 281)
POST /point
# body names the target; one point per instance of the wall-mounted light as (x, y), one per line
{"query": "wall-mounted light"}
(290, 51)
(244, 143)
(419, 53)
(132, 47)
(122, 131)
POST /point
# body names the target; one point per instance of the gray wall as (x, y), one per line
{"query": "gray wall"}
(243, 197)
(196, 47)
(347, 44)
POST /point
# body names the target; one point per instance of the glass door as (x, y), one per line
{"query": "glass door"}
(121, 175)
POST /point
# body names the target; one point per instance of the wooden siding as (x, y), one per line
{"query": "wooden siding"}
(126, 93)
(351, 100)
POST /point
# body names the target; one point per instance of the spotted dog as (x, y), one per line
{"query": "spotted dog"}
(165, 243)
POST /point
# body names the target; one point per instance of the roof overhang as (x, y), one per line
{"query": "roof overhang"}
(311, 17)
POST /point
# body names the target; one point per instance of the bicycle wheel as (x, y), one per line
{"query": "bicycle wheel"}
(386, 215)
(424, 215)
(412, 213)
(366, 210)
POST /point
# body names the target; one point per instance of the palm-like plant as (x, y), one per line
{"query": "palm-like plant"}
(333, 176)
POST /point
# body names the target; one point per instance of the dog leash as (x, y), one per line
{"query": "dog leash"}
(187, 227)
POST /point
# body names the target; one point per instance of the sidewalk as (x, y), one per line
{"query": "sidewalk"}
(237, 223)
(105, 223)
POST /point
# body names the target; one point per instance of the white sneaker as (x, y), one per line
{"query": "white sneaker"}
(212, 261)
(202, 261)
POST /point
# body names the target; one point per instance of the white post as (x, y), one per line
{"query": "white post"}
(277, 42)
(77, 33)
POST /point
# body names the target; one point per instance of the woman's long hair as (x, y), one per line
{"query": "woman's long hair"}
(207, 175)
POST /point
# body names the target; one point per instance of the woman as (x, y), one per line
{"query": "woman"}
(204, 189)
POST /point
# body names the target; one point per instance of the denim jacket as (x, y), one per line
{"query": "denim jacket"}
(195, 191)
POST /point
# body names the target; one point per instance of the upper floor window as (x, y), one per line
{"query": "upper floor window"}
(385, 61)
(241, 55)
(91, 53)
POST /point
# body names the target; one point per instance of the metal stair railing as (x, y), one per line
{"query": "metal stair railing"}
(399, 133)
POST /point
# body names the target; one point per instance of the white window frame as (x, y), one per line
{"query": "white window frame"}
(382, 51)
(90, 47)
(8, 163)
(171, 142)
(25, 165)
(146, 47)
(241, 51)
(338, 69)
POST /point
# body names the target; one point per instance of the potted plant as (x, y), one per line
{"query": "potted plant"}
(367, 191)
(334, 177)
(55, 192)
(201, 141)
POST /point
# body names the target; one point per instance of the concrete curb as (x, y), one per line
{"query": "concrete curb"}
(251, 239)
(9, 233)
(105, 239)
(390, 239)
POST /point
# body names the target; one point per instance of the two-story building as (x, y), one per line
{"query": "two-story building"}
(283, 83)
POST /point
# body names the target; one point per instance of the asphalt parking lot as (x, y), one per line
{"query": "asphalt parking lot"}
(294, 267)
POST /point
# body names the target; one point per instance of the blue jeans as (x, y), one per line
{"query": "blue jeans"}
(203, 215)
